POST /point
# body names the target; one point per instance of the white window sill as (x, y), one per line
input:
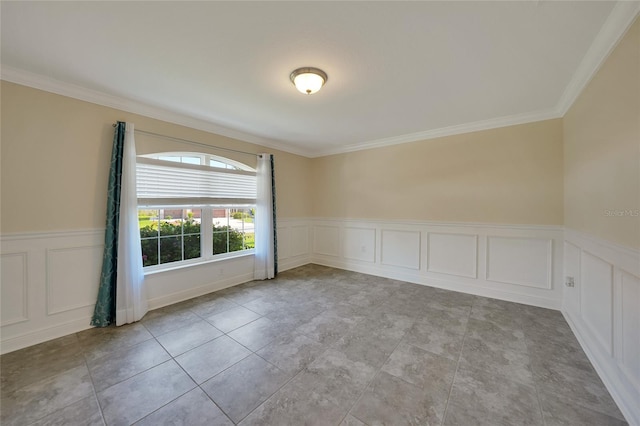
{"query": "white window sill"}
(153, 270)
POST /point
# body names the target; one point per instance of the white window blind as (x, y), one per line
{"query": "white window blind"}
(167, 183)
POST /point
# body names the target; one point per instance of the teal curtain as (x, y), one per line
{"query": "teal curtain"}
(273, 200)
(104, 313)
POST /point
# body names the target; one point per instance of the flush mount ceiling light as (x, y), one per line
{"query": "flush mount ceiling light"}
(308, 80)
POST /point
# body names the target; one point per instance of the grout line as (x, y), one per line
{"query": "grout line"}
(533, 378)
(140, 372)
(168, 403)
(455, 374)
(275, 392)
(95, 392)
(191, 349)
(197, 385)
(214, 403)
(327, 347)
(216, 313)
(230, 331)
(286, 382)
(93, 389)
(375, 376)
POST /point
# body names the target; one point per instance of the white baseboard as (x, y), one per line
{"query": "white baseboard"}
(286, 264)
(42, 335)
(603, 310)
(608, 374)
(443, 283)
(517, 263)
(190, 293)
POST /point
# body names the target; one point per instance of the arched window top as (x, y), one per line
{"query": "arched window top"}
(193, 179)
(201, 159)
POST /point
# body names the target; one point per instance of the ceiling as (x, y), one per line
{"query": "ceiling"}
(398, 71)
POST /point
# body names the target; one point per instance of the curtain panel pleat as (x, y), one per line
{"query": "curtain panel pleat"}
(265, 266)
(121, 294)
(105, 309)
(273, 209)
(131, 298)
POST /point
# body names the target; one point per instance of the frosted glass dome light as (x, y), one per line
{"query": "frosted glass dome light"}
(308, 80)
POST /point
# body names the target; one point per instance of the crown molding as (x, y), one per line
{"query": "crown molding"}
(48, 84)
(612, 31)
(620, 19)
(475, 126)
(616, 25)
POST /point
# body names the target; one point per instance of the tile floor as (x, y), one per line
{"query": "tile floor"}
(316, 346)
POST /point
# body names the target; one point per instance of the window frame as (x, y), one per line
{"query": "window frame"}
(206, 216)
(206, 235)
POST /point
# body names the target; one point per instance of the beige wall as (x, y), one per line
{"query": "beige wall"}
(507, 175)
(570, 171)
(56, 152)
(602, 149)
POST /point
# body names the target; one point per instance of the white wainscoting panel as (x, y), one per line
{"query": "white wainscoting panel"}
(326, 240)
(520, 261)
(401, 248)
(629, 336)
(453, 254)
(175, 285)
(284, 242)
(73, 276)
(572, 255)
(597, 298)
(58, 277)
(359, 244)
(293, 243)
(607, 324)
(14, 288)
(299, 240)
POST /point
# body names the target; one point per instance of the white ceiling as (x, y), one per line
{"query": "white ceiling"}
(398, 71)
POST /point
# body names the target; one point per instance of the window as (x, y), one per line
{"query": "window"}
(169, 235)
(198, 158)
(193, 207)
(233, 230)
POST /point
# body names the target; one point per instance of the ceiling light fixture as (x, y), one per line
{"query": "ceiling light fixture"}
(308, 80)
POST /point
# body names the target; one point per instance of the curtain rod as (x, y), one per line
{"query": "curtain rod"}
(186, 141)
